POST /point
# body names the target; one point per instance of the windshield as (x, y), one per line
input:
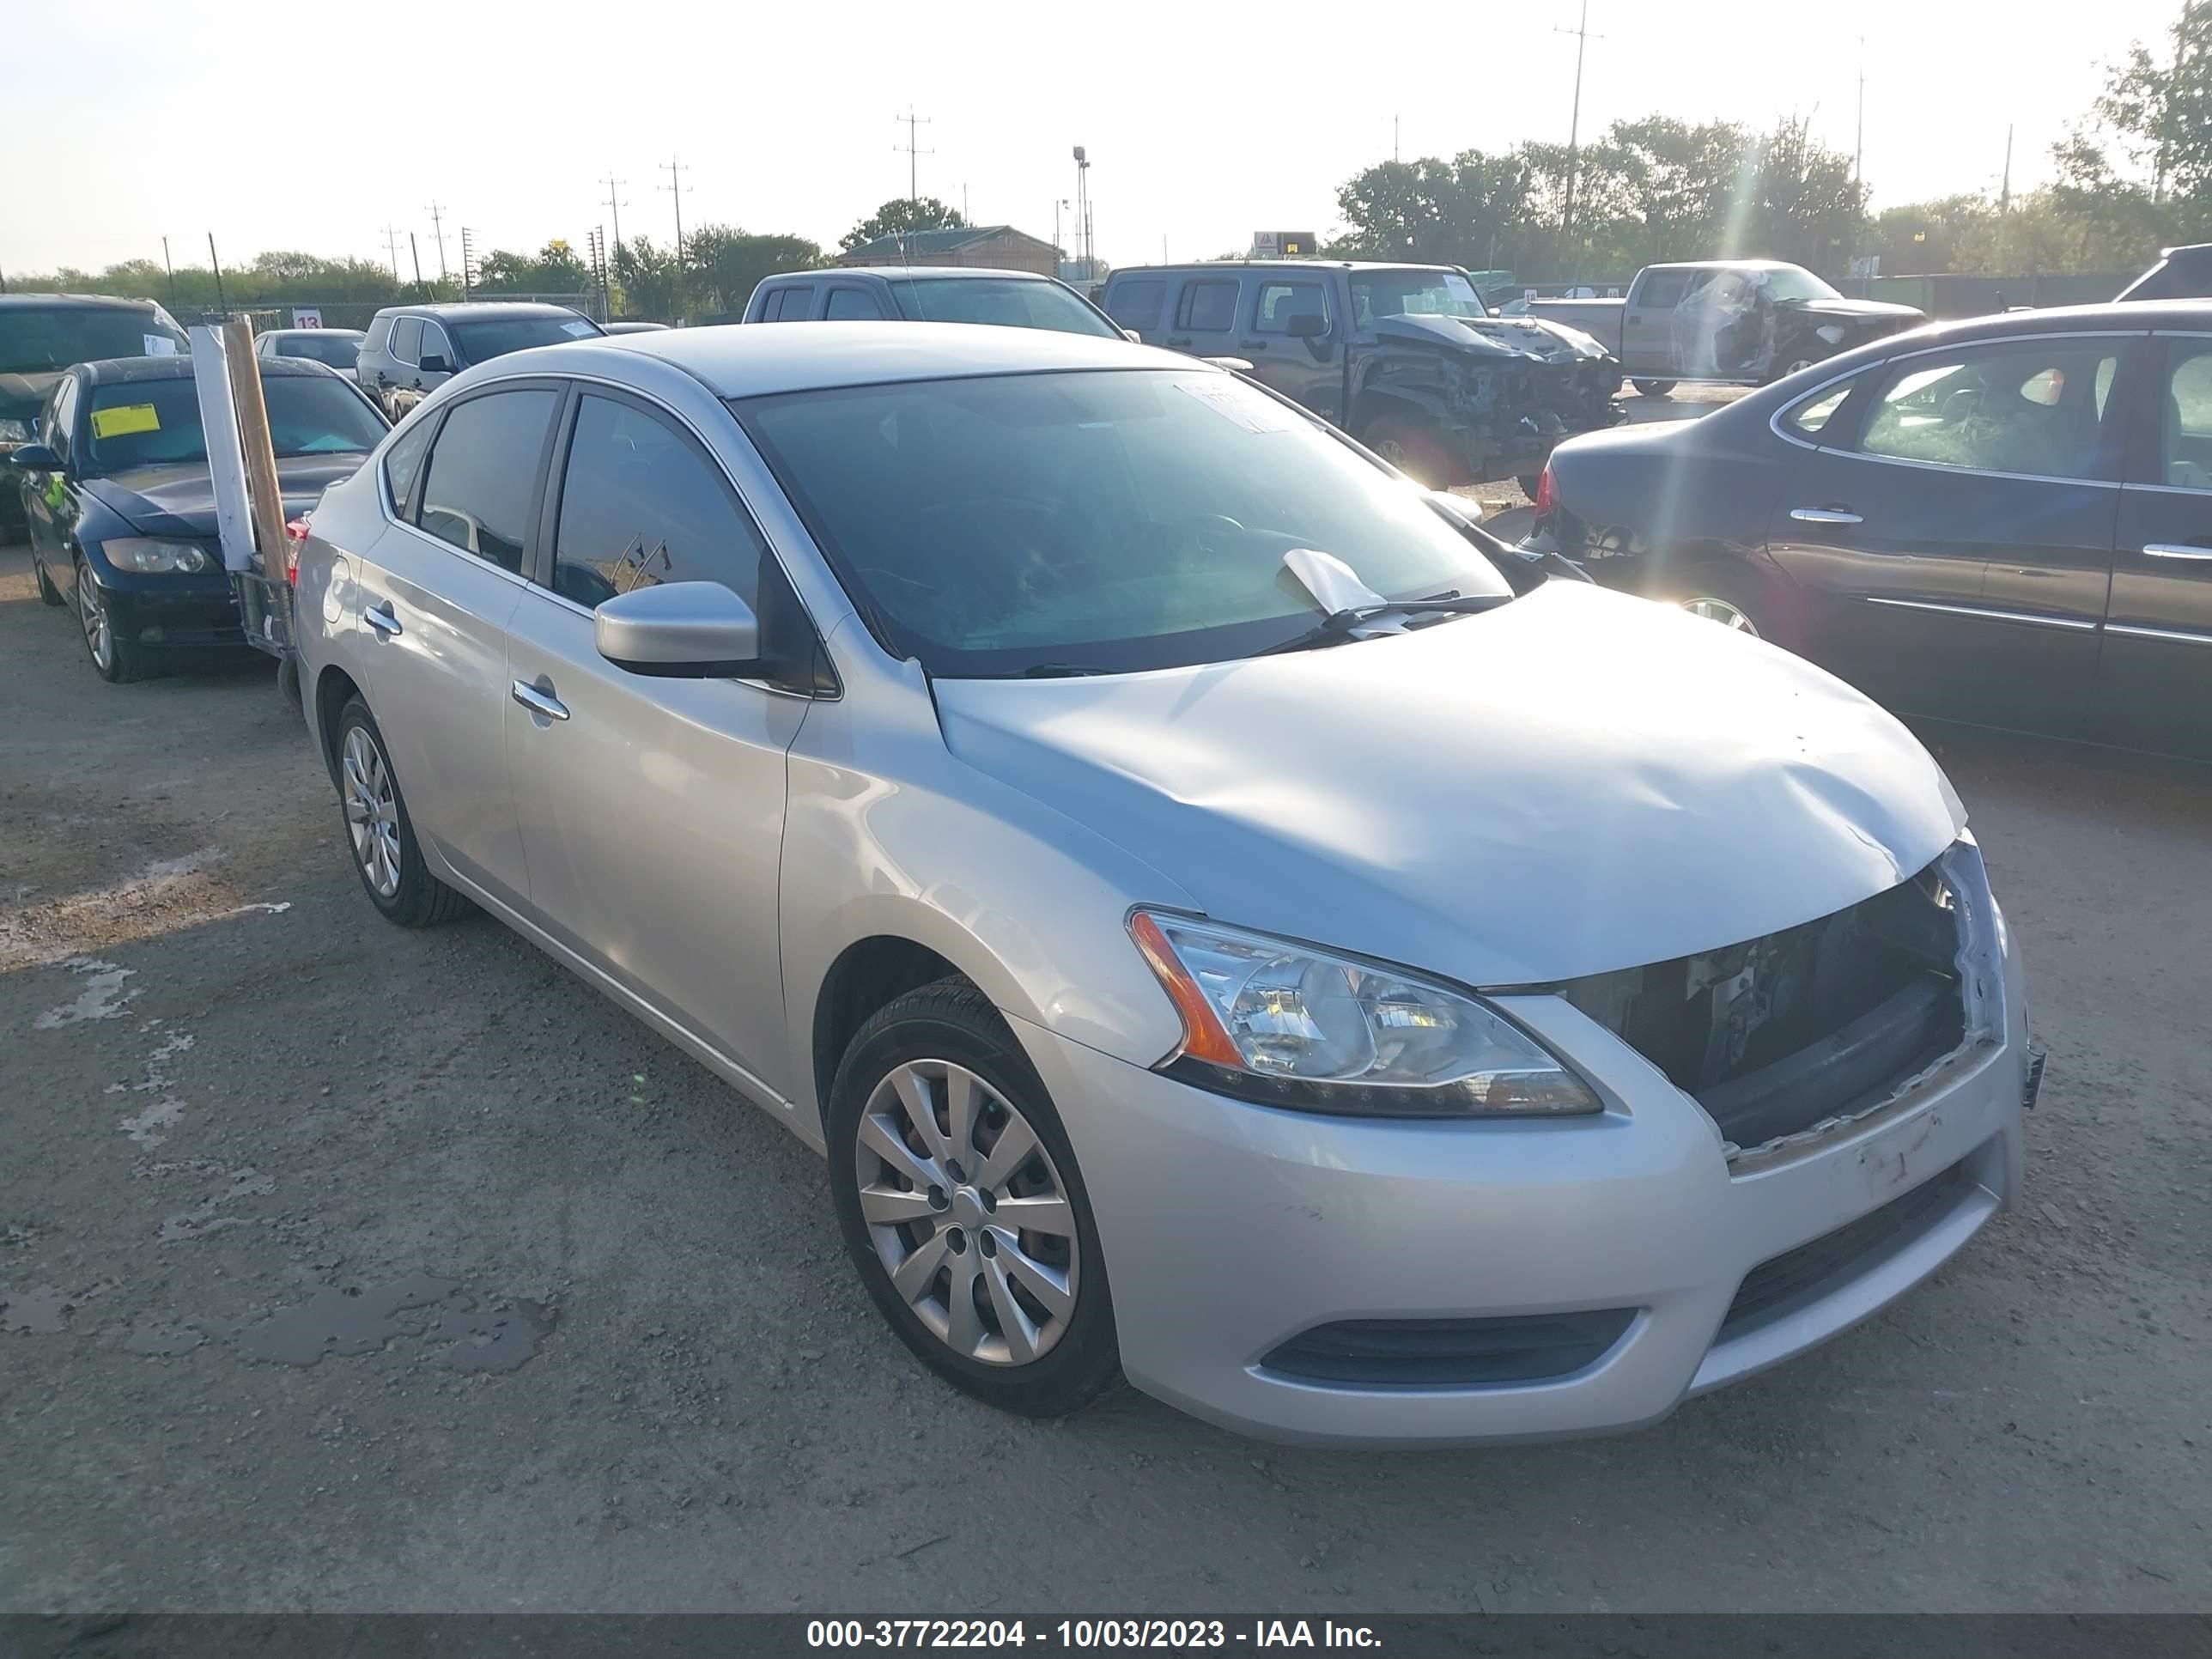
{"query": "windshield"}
(1787, 282)
(1100, 521)
(1003, 299)
(1412, 294)
(338, 350)
(157, 422)
(498, 336)
(36, 338)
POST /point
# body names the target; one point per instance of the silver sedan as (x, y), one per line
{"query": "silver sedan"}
(1224, 923)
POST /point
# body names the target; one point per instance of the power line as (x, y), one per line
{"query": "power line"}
(913, 170)
(438, 229)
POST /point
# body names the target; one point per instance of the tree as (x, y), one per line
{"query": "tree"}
(903, 216)
(648, 278)
(554, 270)
(723, 264)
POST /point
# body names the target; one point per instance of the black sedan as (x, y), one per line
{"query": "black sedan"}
(122, 508)
(2007, 521)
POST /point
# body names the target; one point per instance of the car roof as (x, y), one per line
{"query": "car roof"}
(1279, 264)
(112, 371)
(740, 360)
(309, 330)
(469, 310)
(77, 302)
(2112, 316)
(924, 273)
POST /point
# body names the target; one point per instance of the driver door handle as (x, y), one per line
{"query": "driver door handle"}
(380, 618)
(539, 702)
(1825, 515)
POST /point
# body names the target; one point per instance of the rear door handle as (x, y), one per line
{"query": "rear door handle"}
(1825, 515)
(539, 702)
(2177, 551)
(1251, 345)
(380, 618)
(1180, 345)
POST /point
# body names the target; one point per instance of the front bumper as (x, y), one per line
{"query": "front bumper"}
(1229, 1229)
(173, 613)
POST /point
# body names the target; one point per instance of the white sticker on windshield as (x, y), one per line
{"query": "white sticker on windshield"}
(158, 345)
(1233, 401)
(579, 328)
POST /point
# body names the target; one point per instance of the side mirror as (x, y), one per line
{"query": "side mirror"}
(678, 630)
(33, 457)
(1308, 326)
(435, 364)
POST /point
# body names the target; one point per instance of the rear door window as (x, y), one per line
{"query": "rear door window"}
(407, 340)
(1662, 290)
(789, 305)
(1280, 302)
(482, 481)
(1136, 303)
(1208, 306)
(402, 467)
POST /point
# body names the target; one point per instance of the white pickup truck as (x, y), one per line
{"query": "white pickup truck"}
(1736, 322)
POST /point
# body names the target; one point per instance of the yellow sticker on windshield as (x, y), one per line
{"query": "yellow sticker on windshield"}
(124, 420)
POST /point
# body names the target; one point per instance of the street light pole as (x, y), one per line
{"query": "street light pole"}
(1082, 205)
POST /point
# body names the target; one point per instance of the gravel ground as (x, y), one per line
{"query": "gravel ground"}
(582, 1337)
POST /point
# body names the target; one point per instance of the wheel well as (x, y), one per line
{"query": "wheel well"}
(1370, 406)
(866, 976)
(332, 688)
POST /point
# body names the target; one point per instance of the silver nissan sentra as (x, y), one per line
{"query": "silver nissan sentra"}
(1224, 926)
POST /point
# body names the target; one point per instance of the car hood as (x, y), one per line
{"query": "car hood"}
(1493, 337)
(180, 501)
(1575, 782)
(1858, 310)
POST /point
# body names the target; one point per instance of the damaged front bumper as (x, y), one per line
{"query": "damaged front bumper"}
(1505, 421)
(1361, 1281)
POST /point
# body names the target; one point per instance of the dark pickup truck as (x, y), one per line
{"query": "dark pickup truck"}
(1406, 358)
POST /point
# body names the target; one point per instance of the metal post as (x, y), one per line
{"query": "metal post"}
(221, 304)
(166, 266)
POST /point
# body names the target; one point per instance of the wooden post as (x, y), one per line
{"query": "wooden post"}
(266, 495)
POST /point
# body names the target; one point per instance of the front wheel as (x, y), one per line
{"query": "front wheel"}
(1652, 388)
(114, 658)
(1411, 445)
(962, 1209)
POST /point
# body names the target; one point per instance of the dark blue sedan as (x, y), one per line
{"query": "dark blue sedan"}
(121, 507)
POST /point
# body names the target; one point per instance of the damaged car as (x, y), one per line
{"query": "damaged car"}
(1408, 359)
(1220, 929)
(1729, 322)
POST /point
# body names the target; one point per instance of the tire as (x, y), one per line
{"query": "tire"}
(1725, 594)
(114, 660)
(1410, 446)
(48, 593)
(379, 833)
(943, 1039)
(1652, 388)
(1529, 482)
(1783, 370)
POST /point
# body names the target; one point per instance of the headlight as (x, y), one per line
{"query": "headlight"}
(1290, 1025)
(149, 558)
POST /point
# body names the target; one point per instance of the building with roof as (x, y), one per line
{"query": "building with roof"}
(996, 248)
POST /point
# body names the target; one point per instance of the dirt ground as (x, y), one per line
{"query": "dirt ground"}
(344, 1268)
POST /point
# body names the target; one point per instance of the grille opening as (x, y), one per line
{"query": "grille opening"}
(1780, 1033)
(1450, 1353)
(1788, 1281)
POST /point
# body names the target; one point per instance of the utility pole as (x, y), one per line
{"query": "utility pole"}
(1580, 31)
(1858, 137)
(676, 187)
(615, 205)
(2004, 209)
(392, 247)
(1059, 250)
(438, 229)
(964, 201)
(166, 266)
(1082, 205)
(220, 303)
(415, 254)
(912, 169)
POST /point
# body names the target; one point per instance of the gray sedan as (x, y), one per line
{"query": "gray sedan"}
(1220, 931)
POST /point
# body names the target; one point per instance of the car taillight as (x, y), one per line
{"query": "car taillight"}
(1545, 492)
(295, 537)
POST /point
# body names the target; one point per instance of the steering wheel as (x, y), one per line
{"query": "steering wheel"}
(1200, 532)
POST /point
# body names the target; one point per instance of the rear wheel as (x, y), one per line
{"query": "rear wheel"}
(1730, 596)
(385, 854)
(48, 593)
(1653, 388)
(962, 1207)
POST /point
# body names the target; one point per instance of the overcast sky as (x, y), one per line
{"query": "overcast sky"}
(264, 124)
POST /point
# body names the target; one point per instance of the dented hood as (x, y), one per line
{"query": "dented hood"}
(1498, 338)
(180, 500)
(1575, 782)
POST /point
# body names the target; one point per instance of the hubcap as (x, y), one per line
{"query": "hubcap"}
(967, 1212)
(99, 637)
(1720, 610)
(372, 812)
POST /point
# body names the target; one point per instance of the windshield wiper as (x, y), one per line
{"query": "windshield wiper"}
(1338, 625)
(1057, 671)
